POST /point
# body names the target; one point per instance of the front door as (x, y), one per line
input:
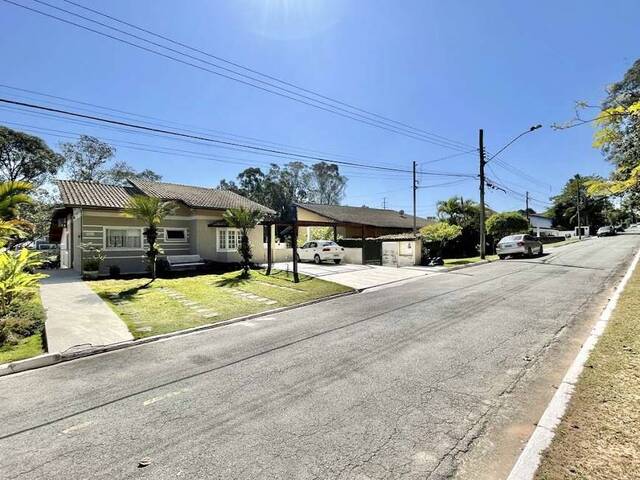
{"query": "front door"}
(65, 255)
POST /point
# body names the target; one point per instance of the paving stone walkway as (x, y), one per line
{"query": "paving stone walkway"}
(252, 296)
(196, 307)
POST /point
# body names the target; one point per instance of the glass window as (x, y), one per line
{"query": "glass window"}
(222, 239)
(175, 234)
(123, 238)
(228, 239)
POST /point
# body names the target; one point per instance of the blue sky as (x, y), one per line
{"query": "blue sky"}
(444, 67)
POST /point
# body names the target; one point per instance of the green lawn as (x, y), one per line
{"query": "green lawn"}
(164, 307)
(25, 348)
(451, 262)
(599, 436)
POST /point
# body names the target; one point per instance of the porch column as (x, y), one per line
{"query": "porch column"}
(335, 233)
(294, 247)
(363, 240)
(269, 252)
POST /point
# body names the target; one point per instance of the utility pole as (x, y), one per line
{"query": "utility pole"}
(526, 208)
(384, 203)
(415, 188)
(578, 209)
(482, 181)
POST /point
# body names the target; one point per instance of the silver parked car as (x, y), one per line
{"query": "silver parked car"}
(521, 244)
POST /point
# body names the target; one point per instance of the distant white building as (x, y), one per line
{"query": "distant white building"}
(542, 225)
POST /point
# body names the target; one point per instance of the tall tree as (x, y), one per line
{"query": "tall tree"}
(151, 211)
(326, 184)
(593, 208)
(27, 158)
(282, 186)
(121, 171)
(87, 159)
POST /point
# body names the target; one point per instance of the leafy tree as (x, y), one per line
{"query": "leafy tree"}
(441, 233)
(326, 185)
(593, 208)
(244, 220)
(121, 171)
(38, 212)
(152, 211)
(27, 158)
(89, 159)
(282, 186)
(507, 223)
(86, 159)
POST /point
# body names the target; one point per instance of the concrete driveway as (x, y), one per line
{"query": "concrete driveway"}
(357, 276)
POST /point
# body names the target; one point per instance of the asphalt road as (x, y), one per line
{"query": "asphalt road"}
(393, 383)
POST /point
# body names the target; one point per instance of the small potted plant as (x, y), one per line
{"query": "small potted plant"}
(92, 258)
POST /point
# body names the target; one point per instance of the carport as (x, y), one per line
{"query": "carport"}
(359, 222)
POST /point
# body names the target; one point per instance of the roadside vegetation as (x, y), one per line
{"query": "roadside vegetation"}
(599, 436)
(171, 304)
(21, 314)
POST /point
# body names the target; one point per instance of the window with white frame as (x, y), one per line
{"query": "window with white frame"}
(228, 239)
(121, 237)
(175, 234)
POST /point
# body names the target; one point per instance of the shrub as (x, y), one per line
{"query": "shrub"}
(114, 271)
(15, 279)
(25, 317)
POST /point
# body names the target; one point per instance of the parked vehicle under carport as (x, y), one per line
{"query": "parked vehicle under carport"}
(521, 244)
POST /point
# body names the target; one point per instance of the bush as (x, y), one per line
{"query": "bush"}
(25, 317)
(114, 271)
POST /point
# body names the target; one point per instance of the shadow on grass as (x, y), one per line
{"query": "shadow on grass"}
(235, 281)
(130, 292)
(287, 275)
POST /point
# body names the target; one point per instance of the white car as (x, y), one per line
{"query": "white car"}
(519, 245)
(319, 251)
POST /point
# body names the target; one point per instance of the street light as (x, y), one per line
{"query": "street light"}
(483, 162)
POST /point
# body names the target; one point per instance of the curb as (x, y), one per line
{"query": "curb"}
(468, 265)
(529, 460)
(30, 363)
(52, 358)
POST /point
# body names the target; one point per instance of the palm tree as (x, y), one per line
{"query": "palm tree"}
(152, 211)
(457, 211)
(244, 220)
(12, 195)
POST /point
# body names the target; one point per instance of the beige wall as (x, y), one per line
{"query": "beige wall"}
(88, 227)
(307, 216)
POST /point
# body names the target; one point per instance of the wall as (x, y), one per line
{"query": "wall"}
(88, 226)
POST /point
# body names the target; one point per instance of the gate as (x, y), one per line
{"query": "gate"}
(372, 252)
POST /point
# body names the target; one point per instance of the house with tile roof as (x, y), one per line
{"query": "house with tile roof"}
(92, 214)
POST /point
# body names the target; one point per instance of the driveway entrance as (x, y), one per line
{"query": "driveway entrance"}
(357, 276)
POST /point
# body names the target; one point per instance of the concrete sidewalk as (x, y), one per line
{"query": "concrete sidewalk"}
(76, 315)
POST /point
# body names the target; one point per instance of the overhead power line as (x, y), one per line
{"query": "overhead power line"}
(301, 98)
(172, 133)
(270, 77)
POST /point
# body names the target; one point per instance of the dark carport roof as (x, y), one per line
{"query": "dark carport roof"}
(375, 217)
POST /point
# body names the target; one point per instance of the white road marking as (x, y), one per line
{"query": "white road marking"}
(80, 426)
(165, 396)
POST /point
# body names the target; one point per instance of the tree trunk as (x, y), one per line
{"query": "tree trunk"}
(152, 236)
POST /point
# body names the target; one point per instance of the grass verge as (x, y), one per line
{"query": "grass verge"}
(450, 262)
(25, 348)
(599, 436)
(168, 305)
